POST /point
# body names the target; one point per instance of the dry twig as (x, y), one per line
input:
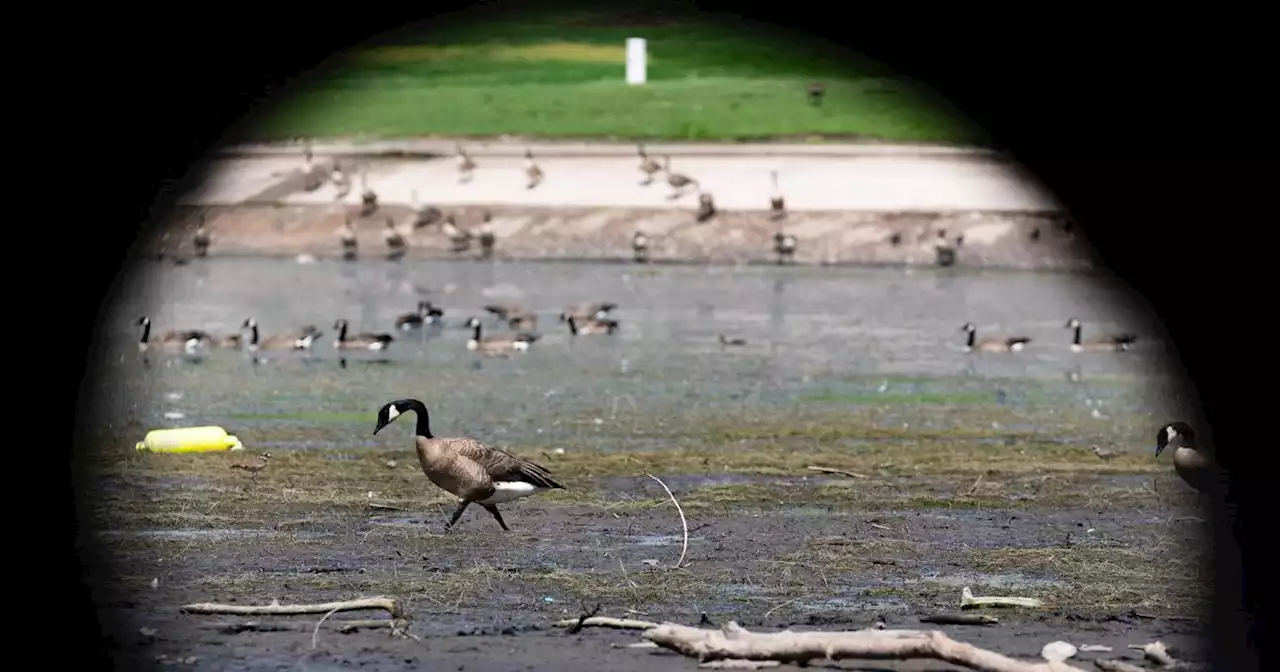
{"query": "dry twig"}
(607, 622)
(684, 523)
(968, 601)
(276, 609)
(573, 629)
(733, 642)
(839, 472)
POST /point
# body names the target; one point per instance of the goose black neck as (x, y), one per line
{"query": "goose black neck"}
(423, 428)
(253, 334)
(1075, 340)
(573, 326)
(475, 333)
(973, 337)
(342, 330)
(146, 332)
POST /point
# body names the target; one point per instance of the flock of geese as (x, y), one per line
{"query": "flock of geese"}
(315, 176)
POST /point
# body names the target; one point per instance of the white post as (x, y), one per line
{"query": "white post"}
(636, 73)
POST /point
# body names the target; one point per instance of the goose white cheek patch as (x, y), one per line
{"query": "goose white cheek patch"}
(392, 413)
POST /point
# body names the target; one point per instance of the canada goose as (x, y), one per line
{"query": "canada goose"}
(784, 245)
(301, 339)
(201, 239)
(640, 247)
(706, 206)
(466, 166)
(341, 182)
(253, 467)
(731, 341)
(777, 205)
(648, 166)
(587, 311)
(1196, 466)
(426, 314)
(188, 340)
(312, 176)
(944, 255)
(591, 326)
(368, 198)
(347, 234)
(468, 469)
(509, 312)
(423, 214)
(488, 239)
(518, 341)
(1010, 344)
(531, 170)
(816, 91)
(396, 244)
(361, 341)
(1111, 343)
(459, 239)
(677, 181)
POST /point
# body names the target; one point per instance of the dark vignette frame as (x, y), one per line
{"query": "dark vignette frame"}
(1116, 116)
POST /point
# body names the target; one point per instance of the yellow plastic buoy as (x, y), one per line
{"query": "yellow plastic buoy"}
(189, 440)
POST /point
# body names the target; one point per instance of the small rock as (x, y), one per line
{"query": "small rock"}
(392, 464)
(155, 583)
(1058, 651)
(649, 561)
(558, 451)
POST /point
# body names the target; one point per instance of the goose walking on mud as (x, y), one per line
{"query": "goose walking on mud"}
(531, 170)
(466, 166)
(1194, 465)
(468, 469)
(677, 181)
(648, 166)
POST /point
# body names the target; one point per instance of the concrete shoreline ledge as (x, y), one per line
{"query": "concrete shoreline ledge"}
(431, 148)
(995, 240)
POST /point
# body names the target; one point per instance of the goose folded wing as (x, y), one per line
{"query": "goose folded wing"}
(503, 466)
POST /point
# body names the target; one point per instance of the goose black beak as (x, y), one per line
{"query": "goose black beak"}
(1159, 449)
(380, 426)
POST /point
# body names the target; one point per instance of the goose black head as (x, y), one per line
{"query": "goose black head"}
(968, 326)
(249, 323)
(389, 412)
(1174, 435)
(143, 321)
(1072, 323)
(339, 324)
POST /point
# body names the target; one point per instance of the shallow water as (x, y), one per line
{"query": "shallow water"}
(817, 338)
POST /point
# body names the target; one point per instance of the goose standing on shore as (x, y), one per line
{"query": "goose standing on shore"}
(706, 206)
(508, 342)
(466, 166)
(640, 247)
(312, 175)
(362, 341)
(423, 214)
(301, 339)
(531, 170)
(1008, 344)
(468, 469)
(187, 340)
(426, 314)
(397, 246)
(201, 240)
(459, 239)
(1110, 343)
(488, 239)
(347, 234)
(678, 181)
(777, 205)
(341, 181)
(784, 245)
(1194, 464)
(648, 166)
(368, 198)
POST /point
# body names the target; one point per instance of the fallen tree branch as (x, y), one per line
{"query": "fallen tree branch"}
(576, 627)
(684, 548)
(960, 619)
(733, 642)
(968, 601)
(607, 622)
(276, 609)
(838, 472)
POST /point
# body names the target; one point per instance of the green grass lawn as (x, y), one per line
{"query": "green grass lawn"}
(560, 78)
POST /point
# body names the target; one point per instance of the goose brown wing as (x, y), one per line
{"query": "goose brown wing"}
(503, 466)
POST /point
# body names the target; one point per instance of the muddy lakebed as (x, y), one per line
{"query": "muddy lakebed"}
(971, 470)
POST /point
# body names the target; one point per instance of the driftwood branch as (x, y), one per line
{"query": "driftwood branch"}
(345, 627)
(386, 604)
(838, 472)
(606, 622)
(733, 642)
(968, 601)
(684, 548)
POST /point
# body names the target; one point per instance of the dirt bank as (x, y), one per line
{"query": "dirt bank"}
(1001, 240)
